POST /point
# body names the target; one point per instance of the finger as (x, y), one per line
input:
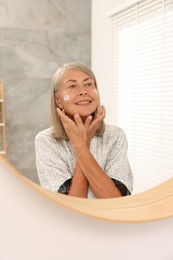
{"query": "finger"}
(88, 121)
(98, 110)
(60, 112)
(96, 122)
(79, 123)
(64, 118)
(103, 110)
(64, 123)
(63, 111)
(78, 120)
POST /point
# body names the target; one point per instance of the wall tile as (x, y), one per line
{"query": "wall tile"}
(36, 37)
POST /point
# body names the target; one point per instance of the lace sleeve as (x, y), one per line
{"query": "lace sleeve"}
(51, 161)
(117, 166)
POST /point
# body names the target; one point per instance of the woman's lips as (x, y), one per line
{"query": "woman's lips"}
(83, 103)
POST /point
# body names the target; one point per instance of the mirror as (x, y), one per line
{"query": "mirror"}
(154, 204)
(31, 50)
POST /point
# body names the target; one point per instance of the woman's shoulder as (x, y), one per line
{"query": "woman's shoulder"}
(46, 137)
(45, 134)
(113, 130)
(114, 134)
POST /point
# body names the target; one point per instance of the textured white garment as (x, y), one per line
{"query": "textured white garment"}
(55, 159)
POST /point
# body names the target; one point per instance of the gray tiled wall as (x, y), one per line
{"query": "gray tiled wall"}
(36, 37)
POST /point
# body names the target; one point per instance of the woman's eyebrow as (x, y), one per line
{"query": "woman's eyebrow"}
(88, 78)
(70, 80)
(73, 80)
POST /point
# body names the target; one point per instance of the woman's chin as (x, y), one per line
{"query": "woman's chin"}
(82, 114)
(85, 115)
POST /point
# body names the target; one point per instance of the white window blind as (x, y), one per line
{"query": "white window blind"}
(141, 87)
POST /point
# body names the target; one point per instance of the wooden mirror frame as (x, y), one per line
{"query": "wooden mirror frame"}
(153, 204)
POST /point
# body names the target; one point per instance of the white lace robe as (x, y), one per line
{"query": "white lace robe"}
(55, 159)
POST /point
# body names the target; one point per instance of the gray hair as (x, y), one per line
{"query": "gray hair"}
(58, 130)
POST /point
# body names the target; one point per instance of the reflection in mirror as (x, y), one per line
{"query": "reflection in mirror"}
(80, 155)
(36, 47)
(142, 82)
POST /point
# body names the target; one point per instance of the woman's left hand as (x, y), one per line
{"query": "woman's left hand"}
(92, 124)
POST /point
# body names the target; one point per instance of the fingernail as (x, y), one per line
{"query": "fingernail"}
(76, 116)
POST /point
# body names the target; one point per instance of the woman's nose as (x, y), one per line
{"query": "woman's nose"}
(82, 91)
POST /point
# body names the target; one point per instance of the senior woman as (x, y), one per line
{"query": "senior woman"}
(79, 155)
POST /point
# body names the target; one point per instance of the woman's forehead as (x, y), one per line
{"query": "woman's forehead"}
(74, 74)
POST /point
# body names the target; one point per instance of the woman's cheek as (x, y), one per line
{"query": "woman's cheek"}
(66, 97)
(95, 92)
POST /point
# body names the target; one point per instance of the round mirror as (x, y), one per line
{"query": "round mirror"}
(153, 204)
(31, 51)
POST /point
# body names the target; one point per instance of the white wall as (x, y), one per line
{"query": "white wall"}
(34, 228)
(100, 45)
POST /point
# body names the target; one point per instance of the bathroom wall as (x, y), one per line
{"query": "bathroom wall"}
(101, 55)
(36, 37)
(34, 228)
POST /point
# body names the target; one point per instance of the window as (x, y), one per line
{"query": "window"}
(141, 85)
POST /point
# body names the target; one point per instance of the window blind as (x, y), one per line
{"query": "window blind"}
(141, 87)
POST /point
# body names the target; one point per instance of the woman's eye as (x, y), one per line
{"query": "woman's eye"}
(72, 86)
(88, 84)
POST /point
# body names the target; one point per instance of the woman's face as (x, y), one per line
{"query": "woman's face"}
(77, 94)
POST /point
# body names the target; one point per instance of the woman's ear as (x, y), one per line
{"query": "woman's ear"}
(58, 102)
